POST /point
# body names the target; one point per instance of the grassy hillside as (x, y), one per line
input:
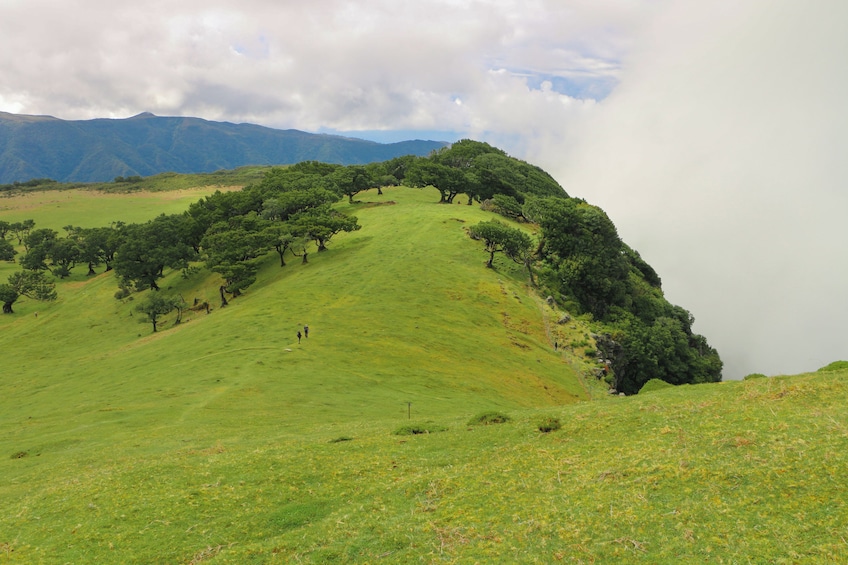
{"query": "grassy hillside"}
(223, 440)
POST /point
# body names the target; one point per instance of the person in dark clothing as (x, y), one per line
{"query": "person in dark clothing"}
(305, 331)
(298, 336)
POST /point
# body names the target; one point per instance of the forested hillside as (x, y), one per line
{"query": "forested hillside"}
(568, 249)
(39, 147)
(581, 261)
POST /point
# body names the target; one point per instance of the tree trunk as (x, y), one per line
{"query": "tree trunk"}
(7, 307)
(305, 254)
(491, 260)
(379, 191)
(540, 248)
(321, 246)
(154, 324)
(91, 270)
(281, 252)
(223, 298)
(530, 272)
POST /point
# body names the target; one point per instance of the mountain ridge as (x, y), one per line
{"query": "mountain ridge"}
(101, 149)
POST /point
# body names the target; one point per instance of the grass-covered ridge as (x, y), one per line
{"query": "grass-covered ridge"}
(223, 440)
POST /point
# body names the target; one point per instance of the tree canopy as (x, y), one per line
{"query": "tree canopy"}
(595, 272)
(32, 284)
(480, 171)
(155, 305)
(147, 249)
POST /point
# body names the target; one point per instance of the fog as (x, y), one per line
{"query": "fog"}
(721, 157)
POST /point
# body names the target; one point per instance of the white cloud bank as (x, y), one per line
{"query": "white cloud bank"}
(723, 158)
(718, 153)
(370, 65)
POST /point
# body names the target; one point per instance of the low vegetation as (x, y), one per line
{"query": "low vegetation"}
(549, 424)
(418, 429)
(489, 418)
(654, 384)
(835, 366)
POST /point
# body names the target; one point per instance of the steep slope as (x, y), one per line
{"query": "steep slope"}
(100, 150)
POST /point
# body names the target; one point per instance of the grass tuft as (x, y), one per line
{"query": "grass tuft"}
(487, 418)
(754, 376)
(549, 424)
(655, 384)
(835, 366)
(413, 430)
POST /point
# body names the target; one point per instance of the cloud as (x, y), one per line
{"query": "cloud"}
(324, 64)
(721, 158)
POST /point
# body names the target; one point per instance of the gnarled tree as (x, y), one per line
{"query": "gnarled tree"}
(32, 284)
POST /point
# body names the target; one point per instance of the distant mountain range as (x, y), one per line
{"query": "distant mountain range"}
(102, 149)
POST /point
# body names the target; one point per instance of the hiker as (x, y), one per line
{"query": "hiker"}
(305, 331)
(298, 336)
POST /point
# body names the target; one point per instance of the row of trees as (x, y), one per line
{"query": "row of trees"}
(479, 171)
(582, 260)
(30, 283)
(229, 233)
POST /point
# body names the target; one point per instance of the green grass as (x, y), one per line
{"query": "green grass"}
(222, 440)
(735, 472)
(654, 384)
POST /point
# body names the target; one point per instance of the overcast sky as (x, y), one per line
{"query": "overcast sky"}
(712, 133)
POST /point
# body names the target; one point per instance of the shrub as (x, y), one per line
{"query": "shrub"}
(487, 418)
(754, 376)
(835, 366)
(549, 424)
(506, 206)
(413, 430)
(654, 384)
